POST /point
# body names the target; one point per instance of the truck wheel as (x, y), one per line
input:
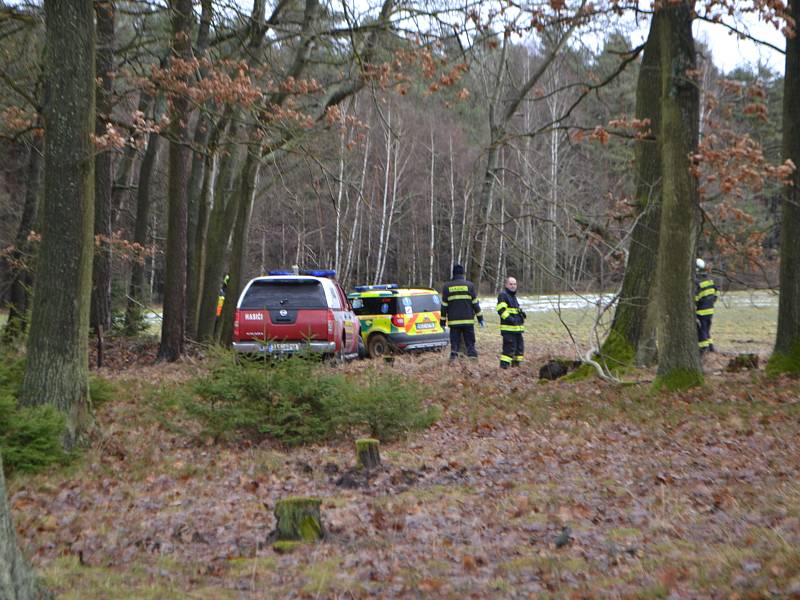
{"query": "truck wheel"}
(377, 346)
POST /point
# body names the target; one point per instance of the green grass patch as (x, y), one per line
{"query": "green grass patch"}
(298, 401)
(325, 580)
(678, 380)
(781, 363)
(73, 581)
(101, 391)
(252, 567)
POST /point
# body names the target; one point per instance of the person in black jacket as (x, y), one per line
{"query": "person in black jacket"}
(460, 308)
(512, 325)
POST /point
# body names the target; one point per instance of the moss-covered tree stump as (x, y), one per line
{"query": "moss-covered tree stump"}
(298, 520)
(368, 454)
(742, 362)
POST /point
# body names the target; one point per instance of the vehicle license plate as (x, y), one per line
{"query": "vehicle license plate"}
(283, 347)
(427, 325)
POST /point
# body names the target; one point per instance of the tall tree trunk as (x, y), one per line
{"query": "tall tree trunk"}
(57, 365)
(220, 222)
(786, 356)
(226, 208)
(197, 243)
(355, 234)
(173, 326)
(202, 134)
(679, 359)
(480, 241)
(432, 246)
(124, 172)
(499, 119)
(382, 239)
(632, 334)
(137, 298)
(452, 204)
(19, 273)
(100, 318)
(17, 579)
(247, 191)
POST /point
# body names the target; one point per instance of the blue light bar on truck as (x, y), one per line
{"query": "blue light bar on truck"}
(368, 288)
(280, 272)
(319, 272)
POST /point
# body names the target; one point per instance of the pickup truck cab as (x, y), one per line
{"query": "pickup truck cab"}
(285, 313)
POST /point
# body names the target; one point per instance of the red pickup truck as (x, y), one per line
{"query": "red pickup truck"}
(279, 314)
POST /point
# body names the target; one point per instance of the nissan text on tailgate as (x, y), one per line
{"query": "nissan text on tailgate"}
(280, 314)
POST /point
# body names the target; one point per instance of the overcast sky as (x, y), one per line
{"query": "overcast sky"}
(729, 51)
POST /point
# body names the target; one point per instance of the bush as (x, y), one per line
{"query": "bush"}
(12, 370)
(101, 391)
(297, 401)
(388, 405)
(30, 437)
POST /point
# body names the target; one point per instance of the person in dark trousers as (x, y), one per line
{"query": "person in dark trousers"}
(512, 325)
(460, 308)
(705, 295)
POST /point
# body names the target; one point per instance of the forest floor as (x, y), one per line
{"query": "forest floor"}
(680, 495)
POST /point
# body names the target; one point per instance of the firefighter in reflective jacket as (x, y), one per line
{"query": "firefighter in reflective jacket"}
(705, 295)
(460, 308)
(222, 291)
(512, 325)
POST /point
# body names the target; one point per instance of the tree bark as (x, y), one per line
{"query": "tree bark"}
(57, 364)
(103, 170)
(368, 454)
(246, 191)
(679, 359)
(226, 208)
(220, 222)
(173, 326)
(633, 331)
(124, 172)
(17, 579)
(786, 356)
(197, 178)
(198, 256)
(137, 298)
(20, 279)
(299, 519)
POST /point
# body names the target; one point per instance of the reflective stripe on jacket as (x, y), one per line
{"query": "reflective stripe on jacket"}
(508, 309)
(705, 295)
(460, 302)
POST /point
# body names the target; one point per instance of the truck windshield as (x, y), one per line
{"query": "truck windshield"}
(284, 294)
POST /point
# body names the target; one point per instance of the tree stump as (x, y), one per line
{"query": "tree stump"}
(299, 519)
(742, 362)
(557, 368)
(368, 454)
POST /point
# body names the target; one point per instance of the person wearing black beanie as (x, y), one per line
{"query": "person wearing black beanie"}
(460, 308)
